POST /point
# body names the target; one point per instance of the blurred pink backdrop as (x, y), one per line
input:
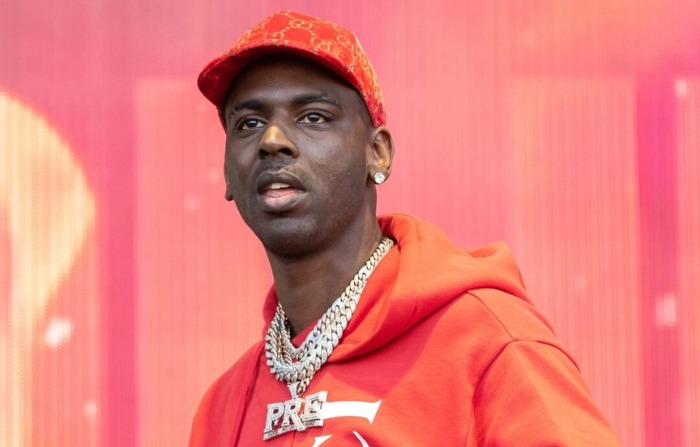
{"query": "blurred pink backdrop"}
(569, 129)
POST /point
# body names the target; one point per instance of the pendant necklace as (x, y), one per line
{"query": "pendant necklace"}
(297, 366)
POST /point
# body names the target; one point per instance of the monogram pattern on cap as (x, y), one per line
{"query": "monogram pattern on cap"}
(319, 39)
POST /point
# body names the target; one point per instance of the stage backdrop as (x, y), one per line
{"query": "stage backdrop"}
(569, 129)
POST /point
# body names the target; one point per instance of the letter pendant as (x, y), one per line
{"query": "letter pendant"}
(295, 414)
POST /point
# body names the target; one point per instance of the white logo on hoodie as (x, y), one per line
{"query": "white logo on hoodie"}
(367, 410)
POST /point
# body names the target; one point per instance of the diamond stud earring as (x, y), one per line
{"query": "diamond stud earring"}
(379, 178)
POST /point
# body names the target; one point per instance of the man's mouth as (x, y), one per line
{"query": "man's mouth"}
(279, 195)
(278, 189)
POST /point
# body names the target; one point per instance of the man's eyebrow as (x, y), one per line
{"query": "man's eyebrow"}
(306, 98)
(249, 104)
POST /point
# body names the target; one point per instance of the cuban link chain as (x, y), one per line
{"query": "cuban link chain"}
(297, 366)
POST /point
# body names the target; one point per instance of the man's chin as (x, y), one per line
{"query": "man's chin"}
(288, 238)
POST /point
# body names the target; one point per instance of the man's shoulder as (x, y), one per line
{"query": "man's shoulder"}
(232, 386)
(233, 379)
(224, 401)
(508, 317)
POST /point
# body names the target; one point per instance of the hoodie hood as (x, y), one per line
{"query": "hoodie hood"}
(422, 273)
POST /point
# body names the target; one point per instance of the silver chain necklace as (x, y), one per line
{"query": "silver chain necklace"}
(297, 366)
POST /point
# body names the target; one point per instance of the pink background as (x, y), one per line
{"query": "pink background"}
(569, 129)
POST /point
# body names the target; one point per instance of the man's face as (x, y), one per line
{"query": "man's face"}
(298, 140)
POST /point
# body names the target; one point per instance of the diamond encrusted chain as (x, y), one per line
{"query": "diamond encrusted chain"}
(297, 366)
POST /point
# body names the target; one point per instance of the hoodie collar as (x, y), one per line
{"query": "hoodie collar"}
(423, 273)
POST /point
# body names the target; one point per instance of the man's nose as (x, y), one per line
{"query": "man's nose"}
(274, 141)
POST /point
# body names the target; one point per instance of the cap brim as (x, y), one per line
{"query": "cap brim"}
(215, 79)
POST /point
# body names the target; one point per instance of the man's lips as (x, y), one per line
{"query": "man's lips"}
(279, 191)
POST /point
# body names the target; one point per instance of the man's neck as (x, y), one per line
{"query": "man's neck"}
(307, 286)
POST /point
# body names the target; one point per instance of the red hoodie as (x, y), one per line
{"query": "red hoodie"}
(444, 349)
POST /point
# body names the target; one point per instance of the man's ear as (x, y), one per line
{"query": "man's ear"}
(229, 193)
(381, 153)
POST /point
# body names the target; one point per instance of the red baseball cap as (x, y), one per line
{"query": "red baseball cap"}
(320, 40)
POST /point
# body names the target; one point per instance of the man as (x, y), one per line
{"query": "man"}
(380, 332)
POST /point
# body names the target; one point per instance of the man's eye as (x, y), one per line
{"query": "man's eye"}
(249, 123)
(313, 118)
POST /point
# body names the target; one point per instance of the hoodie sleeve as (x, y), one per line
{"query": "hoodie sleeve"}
(533, 395)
